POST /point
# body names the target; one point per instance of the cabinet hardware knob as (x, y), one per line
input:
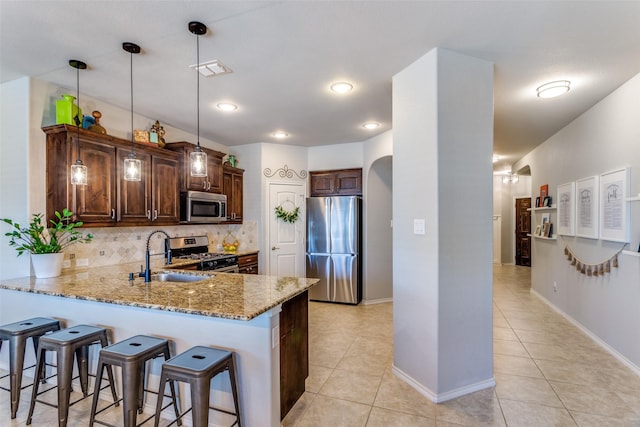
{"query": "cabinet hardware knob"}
(148, 214)
(155, 214)
(113, 214)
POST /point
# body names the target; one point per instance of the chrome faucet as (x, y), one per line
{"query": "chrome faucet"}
(147, 272)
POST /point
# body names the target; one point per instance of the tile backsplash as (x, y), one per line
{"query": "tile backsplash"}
(119, 245)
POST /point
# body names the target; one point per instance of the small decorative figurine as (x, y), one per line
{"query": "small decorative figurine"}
(158, 129)
(97, 127)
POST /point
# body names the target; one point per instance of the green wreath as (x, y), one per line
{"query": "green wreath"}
(286, 216)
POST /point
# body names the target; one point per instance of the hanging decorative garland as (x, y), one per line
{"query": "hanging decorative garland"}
(287, 216)
(597, 269)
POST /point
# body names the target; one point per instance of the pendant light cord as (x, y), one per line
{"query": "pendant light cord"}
(78, 113)
(131, 75)
(198, 87)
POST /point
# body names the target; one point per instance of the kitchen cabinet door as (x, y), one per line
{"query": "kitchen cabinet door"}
(166, 197)
(233, 181)
(134, 201)
(339, 182)
(212, 183)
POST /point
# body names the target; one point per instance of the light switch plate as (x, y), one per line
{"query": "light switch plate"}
(419, 226)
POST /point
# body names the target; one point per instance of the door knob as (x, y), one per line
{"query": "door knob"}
(274, 248)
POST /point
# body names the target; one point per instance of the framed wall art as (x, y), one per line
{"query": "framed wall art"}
(587, 209)
(566, 209)
(614, 209)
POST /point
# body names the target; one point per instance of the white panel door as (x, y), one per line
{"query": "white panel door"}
(286, 240)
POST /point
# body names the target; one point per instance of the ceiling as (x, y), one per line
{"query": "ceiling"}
(285, 54)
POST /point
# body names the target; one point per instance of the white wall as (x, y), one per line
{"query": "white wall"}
(442, 149)
(338, 156)
(602, 139)
(14, 177)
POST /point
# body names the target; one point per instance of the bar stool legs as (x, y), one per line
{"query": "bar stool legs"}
(131, 355)
(66, 344)
(17, 334)
(197, 367)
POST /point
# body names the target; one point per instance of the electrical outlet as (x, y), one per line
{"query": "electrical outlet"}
(555, 286)
(82, 262)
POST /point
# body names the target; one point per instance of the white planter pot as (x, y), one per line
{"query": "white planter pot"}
(47, 265)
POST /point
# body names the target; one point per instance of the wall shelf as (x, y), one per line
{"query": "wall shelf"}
(631, 253)
(546, 238)
(633, 199)
(546, 208)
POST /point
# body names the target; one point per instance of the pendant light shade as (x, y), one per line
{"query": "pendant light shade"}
(198, 158)
(78, 169)
(132, 165)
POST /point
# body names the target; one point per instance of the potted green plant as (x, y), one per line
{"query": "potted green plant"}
(45, 244)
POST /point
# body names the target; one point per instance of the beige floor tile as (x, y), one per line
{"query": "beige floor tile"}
(368, 364)
(327, 411)
(295, 414)
(480, 409)
(396, 395)
(317, 377)
(352, 386)
(598, 402)
(569, 372)
(515, 365)
(510, 348)
(504, 334)
(532, 390)
(380, 417)
(591, 420)
(522, 414)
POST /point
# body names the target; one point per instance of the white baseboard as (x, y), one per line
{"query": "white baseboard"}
(590, 334)
(442, 397)
(377, 301)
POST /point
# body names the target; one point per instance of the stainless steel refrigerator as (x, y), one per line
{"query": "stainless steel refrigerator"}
(334, 248)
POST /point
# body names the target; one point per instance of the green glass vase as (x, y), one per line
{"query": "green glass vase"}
(67, 111)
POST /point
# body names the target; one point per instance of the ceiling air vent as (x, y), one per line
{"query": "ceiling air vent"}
(212, 68)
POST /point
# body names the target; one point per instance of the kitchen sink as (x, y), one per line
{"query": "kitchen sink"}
(180, 277)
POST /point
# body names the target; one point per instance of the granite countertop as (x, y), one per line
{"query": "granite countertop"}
(225, 295)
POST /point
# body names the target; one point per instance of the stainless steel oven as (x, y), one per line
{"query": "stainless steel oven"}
(197, 248)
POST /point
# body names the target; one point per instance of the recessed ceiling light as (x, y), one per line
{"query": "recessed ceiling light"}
(211, 68)
(553, 89)
(495, 158)
(371, 125)
(280, 134)
(341, 87)
(227, 106)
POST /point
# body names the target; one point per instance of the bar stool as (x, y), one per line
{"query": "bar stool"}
(197, 367)
(131, 355)
(17, 334)
(65, 343)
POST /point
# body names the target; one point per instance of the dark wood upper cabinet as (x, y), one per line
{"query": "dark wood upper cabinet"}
(107, 199)
(212, 183)
(232, 187)
(341, 182)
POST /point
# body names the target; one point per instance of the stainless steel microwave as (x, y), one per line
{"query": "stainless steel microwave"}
(198, 207)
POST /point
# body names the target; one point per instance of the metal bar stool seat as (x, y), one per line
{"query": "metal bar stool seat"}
(131, 355)
(197, 367)
(67, 342)
(17, 334)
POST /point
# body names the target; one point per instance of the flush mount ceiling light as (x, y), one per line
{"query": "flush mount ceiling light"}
(227, 106)
(280, 134)
(211, 68)
(78, 169)
(198, 158)
(132, 166)
(341, 87)
(553, 89)
(510, 178)
(371, 125)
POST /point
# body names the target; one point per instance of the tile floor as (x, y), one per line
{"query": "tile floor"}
(548, 373)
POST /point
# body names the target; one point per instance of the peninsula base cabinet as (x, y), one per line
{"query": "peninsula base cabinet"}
(248, 263)
(294, 350)
(108, 200)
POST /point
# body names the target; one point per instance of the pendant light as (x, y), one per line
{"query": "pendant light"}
(78, 169)
(198, 158)
(132, 166)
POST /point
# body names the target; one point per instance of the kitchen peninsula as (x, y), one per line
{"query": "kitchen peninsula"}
(234, 311)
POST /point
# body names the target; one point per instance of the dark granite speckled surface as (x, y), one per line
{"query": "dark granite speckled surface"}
(225, 295)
